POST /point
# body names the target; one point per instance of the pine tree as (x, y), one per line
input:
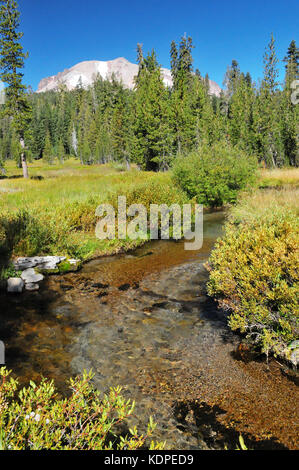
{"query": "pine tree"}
(184, 120)
(174, 63)
(231, 78)
(289, 115)
(120, 123)
(241, 115)
(48, 154)
(267, 109)
(60, 151)
(11, 61)
(150, 147)
(270, 68)
(292, 63)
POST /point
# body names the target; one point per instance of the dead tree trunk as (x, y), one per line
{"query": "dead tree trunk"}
(23, 159)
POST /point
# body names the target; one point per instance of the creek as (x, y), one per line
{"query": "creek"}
(143, 320)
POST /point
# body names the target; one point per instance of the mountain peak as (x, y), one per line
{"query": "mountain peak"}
(86, 71)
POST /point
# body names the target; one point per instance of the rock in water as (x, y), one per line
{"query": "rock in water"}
(29, 276)
(32, 287)
(25, 263)
(48, 263)
(295, 357)
(15, 285)
(74, 261)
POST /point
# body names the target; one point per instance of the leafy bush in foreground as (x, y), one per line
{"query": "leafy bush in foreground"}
(254, 274)
(34, 419)
(214, 175)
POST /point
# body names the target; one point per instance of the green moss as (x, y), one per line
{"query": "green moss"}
(67, 267)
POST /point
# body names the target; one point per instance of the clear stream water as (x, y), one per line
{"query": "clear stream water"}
(143, 321)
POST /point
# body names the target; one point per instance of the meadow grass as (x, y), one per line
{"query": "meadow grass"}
(54, 211)
(266, 204)
(278, 177)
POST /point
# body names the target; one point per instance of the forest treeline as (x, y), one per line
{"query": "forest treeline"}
(152, 124)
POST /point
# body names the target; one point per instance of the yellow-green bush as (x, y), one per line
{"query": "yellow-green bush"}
(254, 272)
(24, 232)
(35, 419)
(156, 189)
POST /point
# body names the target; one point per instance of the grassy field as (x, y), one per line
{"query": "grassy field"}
(279, 177)
(53, 212)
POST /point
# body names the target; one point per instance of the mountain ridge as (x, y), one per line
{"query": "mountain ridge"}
(87, 71)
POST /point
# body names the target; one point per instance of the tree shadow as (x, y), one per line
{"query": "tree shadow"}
(202, 421)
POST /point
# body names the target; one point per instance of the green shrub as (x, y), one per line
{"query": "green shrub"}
(214, 175)
(254, 273)
(8, 271)
(35, 419)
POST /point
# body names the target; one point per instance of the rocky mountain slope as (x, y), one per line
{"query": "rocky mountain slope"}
(85, 72)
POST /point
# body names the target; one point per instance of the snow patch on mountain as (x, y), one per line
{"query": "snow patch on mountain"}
(85, 73)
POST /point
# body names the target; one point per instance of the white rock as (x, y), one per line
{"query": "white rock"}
(42, 262)
(31, 277)
(31, 287)
(74, 261)
(25, 263)
(15, 285)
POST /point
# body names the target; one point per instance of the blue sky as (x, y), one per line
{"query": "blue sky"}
(60, 33)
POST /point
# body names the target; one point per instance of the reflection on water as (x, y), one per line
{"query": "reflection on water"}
(143, 321)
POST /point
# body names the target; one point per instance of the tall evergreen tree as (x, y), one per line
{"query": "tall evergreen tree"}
(292, 63)
(48, 154)
(184, 120)
(289, 115)
(174, 63)
(151, 146)
(267, 110)
(231, 78)
(11, 62)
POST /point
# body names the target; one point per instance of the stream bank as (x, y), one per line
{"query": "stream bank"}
(143, 321)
